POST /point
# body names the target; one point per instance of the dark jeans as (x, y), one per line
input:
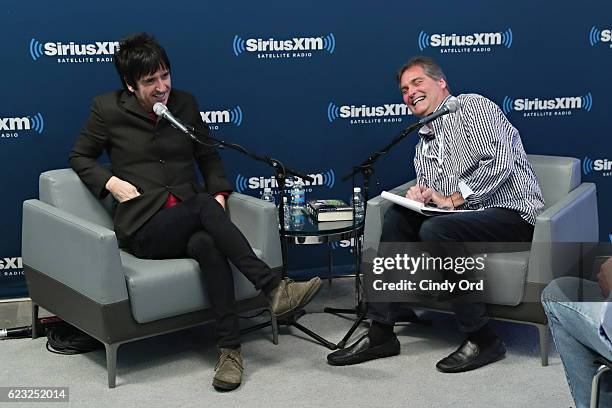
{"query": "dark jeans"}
(199, 228)
(490, 225)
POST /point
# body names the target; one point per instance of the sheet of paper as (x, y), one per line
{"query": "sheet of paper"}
(418, 206)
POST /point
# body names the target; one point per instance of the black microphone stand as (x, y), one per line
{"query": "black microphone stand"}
(366, 168)
(281, 173)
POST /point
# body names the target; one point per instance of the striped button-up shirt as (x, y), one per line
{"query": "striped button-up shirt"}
(478, 152)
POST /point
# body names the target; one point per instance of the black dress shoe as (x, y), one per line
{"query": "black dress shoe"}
(362, 351)
(470, 356)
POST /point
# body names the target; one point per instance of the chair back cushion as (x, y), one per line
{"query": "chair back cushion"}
(64, 189)
(557, 175)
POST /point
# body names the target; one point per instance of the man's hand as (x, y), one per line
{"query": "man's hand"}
(221, 200)
(416, 193)
(440, 200)
(605, 277)
(121, 190)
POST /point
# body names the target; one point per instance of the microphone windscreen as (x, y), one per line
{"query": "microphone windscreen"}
(452, 104)
(159, 108)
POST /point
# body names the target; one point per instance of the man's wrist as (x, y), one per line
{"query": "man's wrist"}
(456, 199)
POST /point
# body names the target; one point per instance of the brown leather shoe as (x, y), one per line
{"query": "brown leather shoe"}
(289, 296)
(228, 372)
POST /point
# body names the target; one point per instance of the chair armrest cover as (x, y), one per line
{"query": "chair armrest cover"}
(375, 215)
(558, 232)
(258, 221)
(80, 254)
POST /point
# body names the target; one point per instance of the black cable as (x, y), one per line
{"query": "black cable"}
(67, 339)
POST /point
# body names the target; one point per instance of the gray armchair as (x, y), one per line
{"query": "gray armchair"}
(517, 278)
(75, 269)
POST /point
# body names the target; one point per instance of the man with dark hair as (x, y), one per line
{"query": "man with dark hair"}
(470, 159)
(162, 211)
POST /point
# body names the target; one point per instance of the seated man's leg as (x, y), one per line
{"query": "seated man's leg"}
(400, 225)
(175, 233)
(482, 345)
(200, 228)
(575, 329)
(207, 214)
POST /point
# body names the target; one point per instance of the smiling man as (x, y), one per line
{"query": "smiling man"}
(162, 210)
(470, 159)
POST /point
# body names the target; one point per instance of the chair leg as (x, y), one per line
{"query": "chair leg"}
(111, 363)
(595, 385)
(35, 309)
(274, 327)
(544, 342)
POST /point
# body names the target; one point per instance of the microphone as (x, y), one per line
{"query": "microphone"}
(450, 106)
(162, 111)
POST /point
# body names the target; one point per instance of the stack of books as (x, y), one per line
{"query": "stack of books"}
(329, 210)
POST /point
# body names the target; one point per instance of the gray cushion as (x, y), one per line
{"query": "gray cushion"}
(63, 189)
(506, 273)
(170, 287)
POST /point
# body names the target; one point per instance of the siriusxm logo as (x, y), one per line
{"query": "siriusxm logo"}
(11, 266)
(243, 184)
(562, 106)
(599, 165)
(597, 35)
(212, 118)
(71, 52)
(12, 127)
(386, 113)
(296, 47)
(476, 42)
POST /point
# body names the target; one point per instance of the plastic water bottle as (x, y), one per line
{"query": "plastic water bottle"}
(287, 212)
(357, 201)
(298, 195)
(268, 196)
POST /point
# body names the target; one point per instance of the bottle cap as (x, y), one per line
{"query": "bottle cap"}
(357, 190)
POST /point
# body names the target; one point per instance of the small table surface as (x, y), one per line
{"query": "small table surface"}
(303, 230)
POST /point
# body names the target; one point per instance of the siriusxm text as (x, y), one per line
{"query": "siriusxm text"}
(71, 48)
(353, 111)
(548, 104)
(294, 44)
(454, 40)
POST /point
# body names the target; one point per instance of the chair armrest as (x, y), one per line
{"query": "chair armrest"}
(375, 215)
(560, 230)
(258, 221)
(80, 254)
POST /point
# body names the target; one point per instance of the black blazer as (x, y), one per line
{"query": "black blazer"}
(151, 155)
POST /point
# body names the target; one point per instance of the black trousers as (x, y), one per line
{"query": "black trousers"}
(490, 225)
(199, 228)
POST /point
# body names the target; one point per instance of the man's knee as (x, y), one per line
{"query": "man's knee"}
(396, 226)
(437, 229)
(201, 244)
(562, 289)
